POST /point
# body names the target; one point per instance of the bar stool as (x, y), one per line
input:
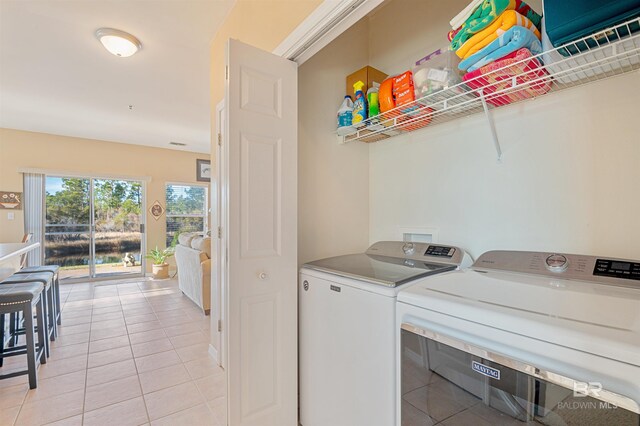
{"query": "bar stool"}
(49, 305)
(25, 298)
(53, 270)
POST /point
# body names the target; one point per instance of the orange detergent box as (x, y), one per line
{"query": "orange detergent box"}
(405, 96)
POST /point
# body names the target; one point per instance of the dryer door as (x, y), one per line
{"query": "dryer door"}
(453, 382)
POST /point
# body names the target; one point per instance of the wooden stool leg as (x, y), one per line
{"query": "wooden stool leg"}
(43, 339)
(31, 347)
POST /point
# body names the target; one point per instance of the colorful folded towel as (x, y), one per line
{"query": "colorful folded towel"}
(496, 79)
(481, 18)
(513, 39)
(479, 41)
(525, 10)
(486, 14)
(458, 20)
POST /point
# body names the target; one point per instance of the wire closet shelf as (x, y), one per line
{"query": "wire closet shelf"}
(602, 55)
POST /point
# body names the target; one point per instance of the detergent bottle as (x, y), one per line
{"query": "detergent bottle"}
(359, 105)
(373, 101)
(345, 116)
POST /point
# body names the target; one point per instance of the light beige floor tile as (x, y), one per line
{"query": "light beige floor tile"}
(189, 339)
(58, 385)
(81, 319)
(144, 326)
(181, 329)
(51, 409)
(203, 367)
(13, 381)
(65, 330)
(108, 333)
(161, 378)
(164, 402)
(72, 339)
(219, 409)
(155, 361)
(107, 316)
(189, 353)
(69, 421)
(131, 412)
(109, 356)
(137, 319)
(146, 336)
(110, 393)
(13, 395)
(111, 372)
(63, 366)
(198, 415)
(8, 415)
(152, 347)
(109, 343)
(107, 310)
(212, 387)
(68, 351)
(112, 323)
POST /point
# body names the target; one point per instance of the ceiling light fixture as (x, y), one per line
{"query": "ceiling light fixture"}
(118, 42)
(177, 143)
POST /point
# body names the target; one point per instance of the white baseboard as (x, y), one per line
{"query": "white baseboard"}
(213, 353)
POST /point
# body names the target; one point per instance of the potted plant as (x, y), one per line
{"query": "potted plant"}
(160, 267)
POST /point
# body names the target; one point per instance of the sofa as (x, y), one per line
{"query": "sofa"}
(193, 260)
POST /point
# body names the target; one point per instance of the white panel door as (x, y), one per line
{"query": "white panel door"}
(261, 237)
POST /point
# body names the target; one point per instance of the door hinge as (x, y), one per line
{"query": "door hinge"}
(219, 326)
(219, 232)
(219, 139)
(226, 72)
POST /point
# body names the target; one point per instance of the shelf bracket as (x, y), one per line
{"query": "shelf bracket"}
(492, 125)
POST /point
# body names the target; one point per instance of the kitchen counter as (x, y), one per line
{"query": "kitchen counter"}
(10, 256)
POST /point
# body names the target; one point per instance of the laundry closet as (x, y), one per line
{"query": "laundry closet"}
(566, 179)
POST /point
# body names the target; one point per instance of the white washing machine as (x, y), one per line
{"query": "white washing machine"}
(347, 329)
(522, 337)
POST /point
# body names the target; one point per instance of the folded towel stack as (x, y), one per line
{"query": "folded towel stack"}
(491, 34)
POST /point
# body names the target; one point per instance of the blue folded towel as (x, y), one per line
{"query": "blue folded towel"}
(511, 40)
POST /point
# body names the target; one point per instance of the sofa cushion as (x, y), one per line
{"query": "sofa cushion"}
(186, 237)
(203, 244)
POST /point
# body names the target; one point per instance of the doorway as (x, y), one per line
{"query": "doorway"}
(94, 227)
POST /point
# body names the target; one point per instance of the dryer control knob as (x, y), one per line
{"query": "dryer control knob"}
(409, 248)
(557, 263)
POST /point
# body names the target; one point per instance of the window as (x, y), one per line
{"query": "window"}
(186, 209)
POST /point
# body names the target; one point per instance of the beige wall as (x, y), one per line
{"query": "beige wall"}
(333, 189)
(260, 23)
(20, 149)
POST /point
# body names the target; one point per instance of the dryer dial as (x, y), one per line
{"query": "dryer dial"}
(557, 263)
(409, 248)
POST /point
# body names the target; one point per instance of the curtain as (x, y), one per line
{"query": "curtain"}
(33, 201)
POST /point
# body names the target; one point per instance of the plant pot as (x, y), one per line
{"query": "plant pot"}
(160, 271)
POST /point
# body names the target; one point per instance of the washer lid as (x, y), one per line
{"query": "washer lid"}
(597, 318)
(382, 270)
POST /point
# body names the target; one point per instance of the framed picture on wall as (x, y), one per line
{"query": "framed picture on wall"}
(203, 170)
(11, 200)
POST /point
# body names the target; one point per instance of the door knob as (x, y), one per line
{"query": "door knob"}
(263, 276)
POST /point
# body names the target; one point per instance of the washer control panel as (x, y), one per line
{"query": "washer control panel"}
(420, 251)
(566, 266)
(617, 269)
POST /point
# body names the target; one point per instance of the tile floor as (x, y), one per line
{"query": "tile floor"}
(132, 353)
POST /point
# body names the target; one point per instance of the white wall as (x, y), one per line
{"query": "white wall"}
(333, 180)
(568, 181)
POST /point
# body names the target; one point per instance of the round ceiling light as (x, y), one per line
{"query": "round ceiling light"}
(118, 42)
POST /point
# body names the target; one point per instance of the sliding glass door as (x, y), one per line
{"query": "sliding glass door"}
(94, 227)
